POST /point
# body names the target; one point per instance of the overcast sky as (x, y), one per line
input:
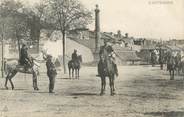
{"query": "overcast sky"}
(141, 18)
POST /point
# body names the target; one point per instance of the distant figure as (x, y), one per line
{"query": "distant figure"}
(51, 73)
(161, 59)
(107, 48)
(178, 62)
(153, 58)
(168, 57)
(74, 65)
(25, 58)
(74, 56)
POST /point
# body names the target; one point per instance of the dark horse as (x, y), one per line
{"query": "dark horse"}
(106, 69)
(75, 66)
(171, 66)
(13, 69)
(179, 64)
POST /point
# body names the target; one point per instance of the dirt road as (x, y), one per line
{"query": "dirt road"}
(142, 91)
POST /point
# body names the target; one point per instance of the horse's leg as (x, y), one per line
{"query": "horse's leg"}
(10, 78)
(11, 83)
(72, 72)
(102, 85)
(7, 77)
(170, 74)
(111, 84)
(101, 93)
(113, 87)
(78, 73)
(173, 75)
(104, 82)
(35, 86)
(69, 72)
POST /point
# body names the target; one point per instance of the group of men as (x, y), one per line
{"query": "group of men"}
(27, 61)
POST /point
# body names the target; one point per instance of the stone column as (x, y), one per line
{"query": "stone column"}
(97, 29)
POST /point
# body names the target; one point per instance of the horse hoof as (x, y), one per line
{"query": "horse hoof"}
(12, 88)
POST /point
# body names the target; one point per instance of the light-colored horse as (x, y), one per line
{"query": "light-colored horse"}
(13, 69)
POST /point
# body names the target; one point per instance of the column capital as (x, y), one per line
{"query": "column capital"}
(97, 8)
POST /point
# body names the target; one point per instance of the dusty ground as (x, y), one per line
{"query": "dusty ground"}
(142, 91)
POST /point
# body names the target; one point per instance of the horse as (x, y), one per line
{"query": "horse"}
(106, 69)
(178, 64)
(171, 66)
(13, 69)
(75, 67)
(153, 58)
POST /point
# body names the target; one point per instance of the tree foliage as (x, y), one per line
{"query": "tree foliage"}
(15, 23)
(68, 14)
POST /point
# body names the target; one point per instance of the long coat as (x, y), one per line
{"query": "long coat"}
(24, 57)
(51, 69)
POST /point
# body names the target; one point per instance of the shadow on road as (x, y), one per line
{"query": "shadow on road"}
(84, 94)
(67, 78)
(37, 92)
(20, 89)
(3, 89)
(166, 114)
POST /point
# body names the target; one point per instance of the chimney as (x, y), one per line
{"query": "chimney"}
(97, 28)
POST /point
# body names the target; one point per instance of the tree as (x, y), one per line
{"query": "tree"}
(36, 19)
(14, 21)
(67, 15)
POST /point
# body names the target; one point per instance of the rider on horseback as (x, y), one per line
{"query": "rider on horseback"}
(74, 56)
(25, 59)
(110, 52)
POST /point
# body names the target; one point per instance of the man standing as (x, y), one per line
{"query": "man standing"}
(51, 73)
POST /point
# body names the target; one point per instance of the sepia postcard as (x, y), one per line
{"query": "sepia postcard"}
(92, 58)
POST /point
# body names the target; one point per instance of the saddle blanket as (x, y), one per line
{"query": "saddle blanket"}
(22, 69)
